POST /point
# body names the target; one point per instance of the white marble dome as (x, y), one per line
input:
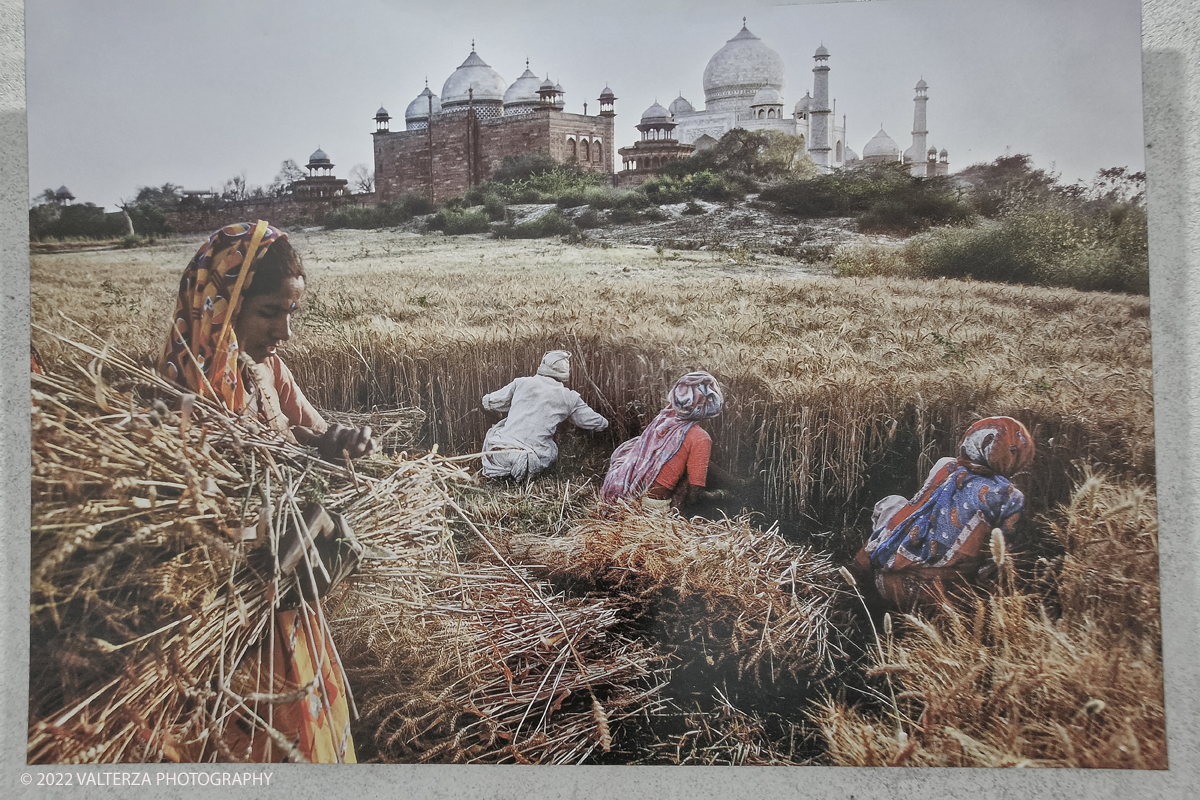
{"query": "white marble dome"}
(680, 105)
(474, 73)
(766, 96)
(418, 109)
(655, 114)
(524, 90)
(881, 146)
(742, 67)
(803, 105)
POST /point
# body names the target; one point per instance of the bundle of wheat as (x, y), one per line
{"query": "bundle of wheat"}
(395, 429)
(155, 570)
(1011, 682)
(491, 667)
(721, 592)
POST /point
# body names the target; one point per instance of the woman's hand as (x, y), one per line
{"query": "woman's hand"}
(357, 442)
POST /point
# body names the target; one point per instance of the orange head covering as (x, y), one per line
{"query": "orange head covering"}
(202, 348)
(1000, 444)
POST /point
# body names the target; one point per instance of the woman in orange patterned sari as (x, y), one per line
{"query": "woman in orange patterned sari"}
(234, 309)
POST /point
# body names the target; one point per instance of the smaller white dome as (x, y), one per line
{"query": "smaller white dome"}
(921, 84)
(607, 94)
(523, 90)
(881, 145)
(418, 109)
(851, 155)
(319, 155)
(382, 112)
(655, 113)
(803, 104)
(821, 51)
(766, 96)
(943, 153)
(680, 105)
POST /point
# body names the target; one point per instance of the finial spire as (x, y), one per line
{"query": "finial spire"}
(526, 62)
(472, 44)
(743, 22)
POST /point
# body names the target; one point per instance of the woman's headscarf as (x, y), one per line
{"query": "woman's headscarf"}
(201, 354)
(636, 463)
(556, 364)
(999, 444)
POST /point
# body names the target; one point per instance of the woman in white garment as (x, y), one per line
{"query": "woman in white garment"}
(522, 444)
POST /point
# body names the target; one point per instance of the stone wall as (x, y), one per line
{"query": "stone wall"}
(467, 151)
(277, 211)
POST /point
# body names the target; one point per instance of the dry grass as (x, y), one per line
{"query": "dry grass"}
(831, 381)
(1011, 682)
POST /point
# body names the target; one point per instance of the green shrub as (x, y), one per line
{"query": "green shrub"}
(1052, 247)
(552, 223)
(384, 215)
(80, 221)
(886, 198)
(619, 216)
(573, 199)
(132, 240)
(455, 222)
(494, 208)
(589, 219)
(527, 194)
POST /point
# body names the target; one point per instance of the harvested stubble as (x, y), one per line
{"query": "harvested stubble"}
(728, 736)
(146, 590)
(1011, 683)
(722, 593)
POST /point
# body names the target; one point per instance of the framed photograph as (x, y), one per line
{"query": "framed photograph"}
(609, 390)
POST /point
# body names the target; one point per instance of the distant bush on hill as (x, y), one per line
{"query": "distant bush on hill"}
(383, 215)
(552, 223)
(80, 221)
(884, 197)
(1092, 238)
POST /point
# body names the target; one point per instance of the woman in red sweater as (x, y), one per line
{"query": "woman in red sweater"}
(673, 447)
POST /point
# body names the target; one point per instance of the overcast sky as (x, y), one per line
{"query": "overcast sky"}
(128, 93)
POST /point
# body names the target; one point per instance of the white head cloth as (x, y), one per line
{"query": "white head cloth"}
(556, 364)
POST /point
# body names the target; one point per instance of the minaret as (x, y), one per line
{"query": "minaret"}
(919, 132)
(820, 146)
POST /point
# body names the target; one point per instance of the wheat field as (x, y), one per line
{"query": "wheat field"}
(838, 391)
(828, 380)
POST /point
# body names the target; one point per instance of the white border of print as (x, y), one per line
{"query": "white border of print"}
(1171, 75)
